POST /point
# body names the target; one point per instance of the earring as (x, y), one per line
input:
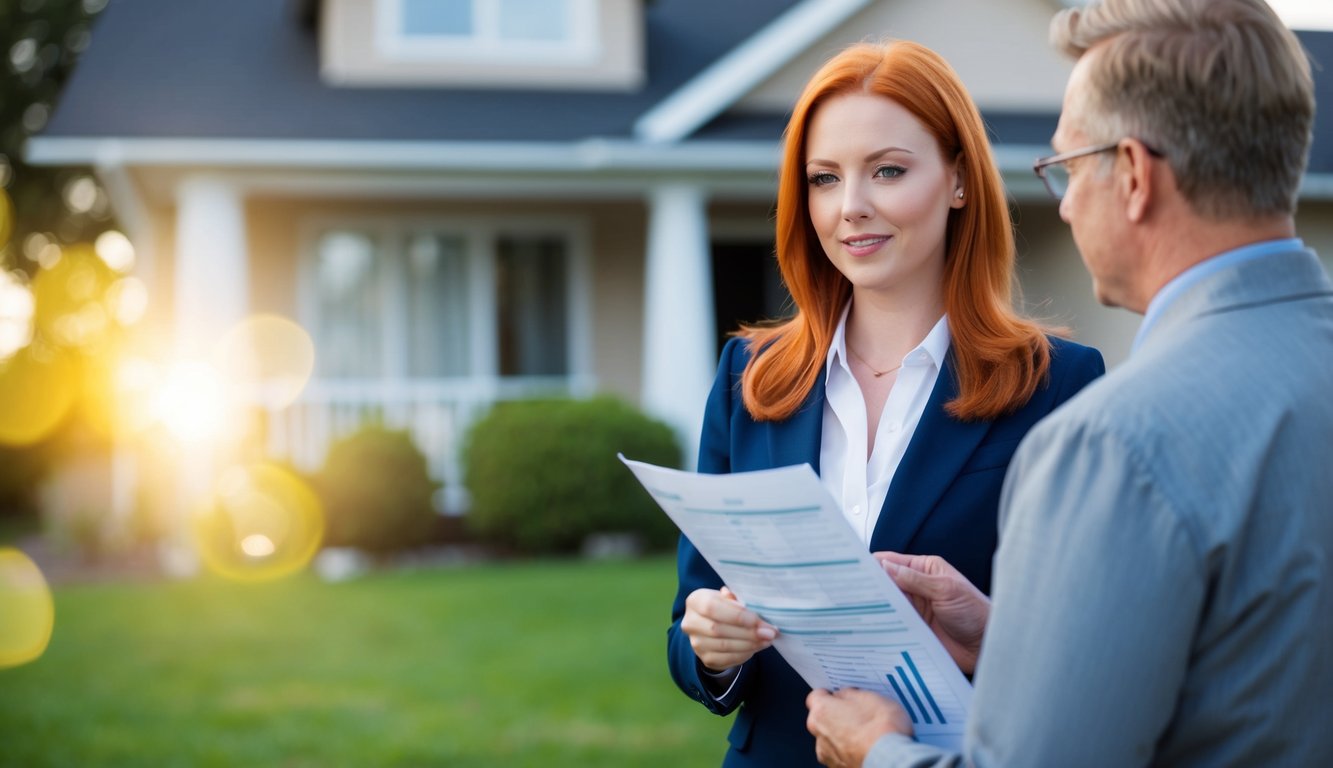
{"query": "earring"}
(960, 194)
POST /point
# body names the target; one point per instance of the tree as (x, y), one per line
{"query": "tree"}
(41, 40)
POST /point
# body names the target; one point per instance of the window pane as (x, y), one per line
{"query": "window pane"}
(534, 20)
(349, 305)
(437, 306)
(531, 276)
(432, 18)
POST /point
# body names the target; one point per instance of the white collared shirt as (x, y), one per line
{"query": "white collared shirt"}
(859, 484)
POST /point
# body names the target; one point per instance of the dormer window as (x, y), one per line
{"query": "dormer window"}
(527, 31)
(526, 44)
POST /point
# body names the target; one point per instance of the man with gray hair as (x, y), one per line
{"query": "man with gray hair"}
(1163, 590)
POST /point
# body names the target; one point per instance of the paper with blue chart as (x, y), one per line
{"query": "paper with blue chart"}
(779, 542)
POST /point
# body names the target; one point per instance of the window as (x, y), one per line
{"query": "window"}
(401, 303)
(514, 30)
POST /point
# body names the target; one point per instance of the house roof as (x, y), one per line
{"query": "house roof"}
(249, 70)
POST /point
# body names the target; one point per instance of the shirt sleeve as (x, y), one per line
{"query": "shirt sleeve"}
(1098, 588)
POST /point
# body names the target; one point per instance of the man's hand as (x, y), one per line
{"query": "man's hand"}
(723, 633)
(954, 609)
(846, 724)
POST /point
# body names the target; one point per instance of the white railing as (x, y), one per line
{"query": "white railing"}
(436, 412)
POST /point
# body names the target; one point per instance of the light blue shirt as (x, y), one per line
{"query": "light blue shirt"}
(1163, 588)
(1206, 268)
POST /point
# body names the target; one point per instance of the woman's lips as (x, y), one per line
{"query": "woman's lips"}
(864, 245)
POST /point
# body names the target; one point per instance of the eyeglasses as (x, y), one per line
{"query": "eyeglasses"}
(1054, 172)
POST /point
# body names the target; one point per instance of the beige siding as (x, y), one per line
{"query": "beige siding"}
(998, 48)
(1057, 288)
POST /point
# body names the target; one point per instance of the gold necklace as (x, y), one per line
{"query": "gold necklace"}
(871, 367)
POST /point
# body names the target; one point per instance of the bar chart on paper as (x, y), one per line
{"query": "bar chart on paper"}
(778, 541)
(917, 691)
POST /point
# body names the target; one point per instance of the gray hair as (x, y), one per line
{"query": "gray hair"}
(1221, 87)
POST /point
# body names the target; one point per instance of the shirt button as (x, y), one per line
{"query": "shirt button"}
(856, 510)
(893, 427)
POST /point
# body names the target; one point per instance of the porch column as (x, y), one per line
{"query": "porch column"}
(210, 287)
(211, 271)
(679, 348)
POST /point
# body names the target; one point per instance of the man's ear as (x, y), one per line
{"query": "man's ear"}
(1136, 167)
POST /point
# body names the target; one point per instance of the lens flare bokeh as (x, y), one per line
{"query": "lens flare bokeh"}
(262, 523)
(268, 357)
(6, 217)
(70, 294)
(27, 613)
(37, 388)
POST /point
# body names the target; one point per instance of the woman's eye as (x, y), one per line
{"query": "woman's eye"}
(890, 171)
(821, 178)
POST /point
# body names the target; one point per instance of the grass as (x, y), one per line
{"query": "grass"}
(537, 664)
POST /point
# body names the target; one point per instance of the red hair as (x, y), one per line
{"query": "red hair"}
(999, 358)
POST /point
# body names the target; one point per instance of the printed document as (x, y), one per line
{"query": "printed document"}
(780, 543)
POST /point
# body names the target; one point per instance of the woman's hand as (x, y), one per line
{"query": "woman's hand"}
(723, 633)
(954, 609)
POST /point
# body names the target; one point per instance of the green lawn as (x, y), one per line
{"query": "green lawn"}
(537, 664)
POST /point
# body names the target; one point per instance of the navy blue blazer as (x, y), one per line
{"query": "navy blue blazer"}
(943, 500)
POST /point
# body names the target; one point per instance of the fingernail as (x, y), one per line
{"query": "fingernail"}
(768, 633)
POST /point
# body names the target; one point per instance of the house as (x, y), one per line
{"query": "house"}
(465, 201)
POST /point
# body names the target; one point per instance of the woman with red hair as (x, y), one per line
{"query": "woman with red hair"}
(905, 377)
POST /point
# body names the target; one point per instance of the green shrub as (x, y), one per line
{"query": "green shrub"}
(543, 474)
(376, 492)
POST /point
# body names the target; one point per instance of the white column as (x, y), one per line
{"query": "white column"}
(211, 287)
(679, 348)
(211, 279)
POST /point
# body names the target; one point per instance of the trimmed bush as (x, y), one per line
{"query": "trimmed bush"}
(376, 492)
(543, 474)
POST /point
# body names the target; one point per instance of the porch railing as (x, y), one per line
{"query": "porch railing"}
(436, 412)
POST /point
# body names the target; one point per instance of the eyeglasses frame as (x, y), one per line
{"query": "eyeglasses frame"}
(1042, 163)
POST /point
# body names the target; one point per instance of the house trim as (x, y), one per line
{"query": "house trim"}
(536, 165)
(747, 65)
(585, 155)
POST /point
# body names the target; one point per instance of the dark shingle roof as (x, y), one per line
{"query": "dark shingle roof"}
(250, 69)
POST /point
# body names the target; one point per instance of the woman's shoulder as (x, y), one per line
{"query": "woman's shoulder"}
(736, 353)
(1074, 363)
(1070, 353)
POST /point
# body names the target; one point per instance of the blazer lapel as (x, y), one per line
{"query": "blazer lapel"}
(939, 448)
(796, 440)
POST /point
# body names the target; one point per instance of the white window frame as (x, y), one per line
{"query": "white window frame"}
(582, 47)
(480, 234)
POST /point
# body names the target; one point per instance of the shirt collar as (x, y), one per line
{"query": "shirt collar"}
(1204, 269)
(932, 349)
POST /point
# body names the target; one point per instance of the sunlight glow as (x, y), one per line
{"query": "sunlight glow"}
(27, 613)
(16, 310)
(191, 402)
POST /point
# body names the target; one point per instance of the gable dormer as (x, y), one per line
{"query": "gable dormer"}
(546, 44)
